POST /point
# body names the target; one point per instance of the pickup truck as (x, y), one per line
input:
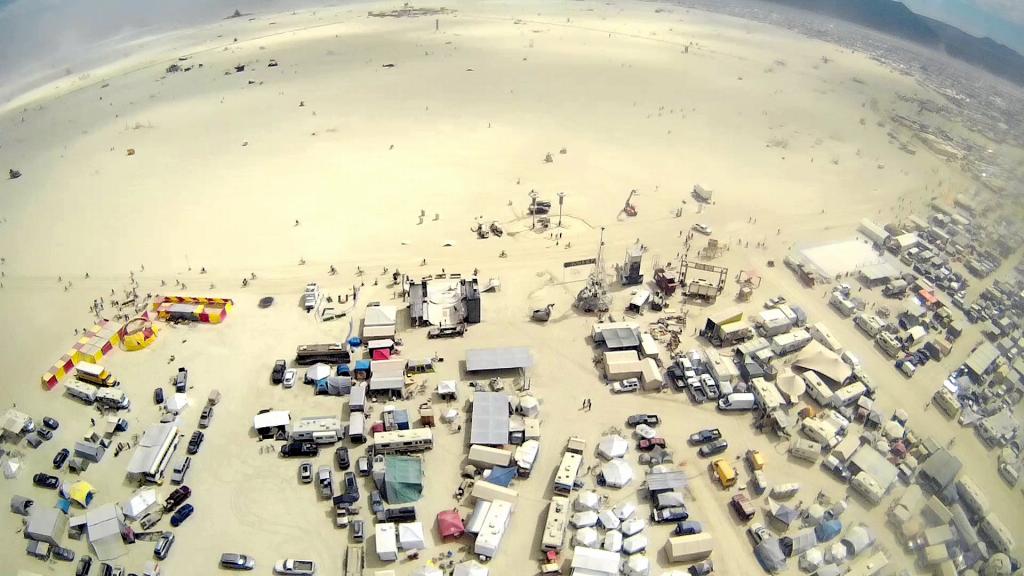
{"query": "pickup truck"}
(325, 480)
(705, 436)
(638, 419)
(673, 514)
(295, 567)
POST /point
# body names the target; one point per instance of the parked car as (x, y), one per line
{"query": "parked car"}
(688, 527)
(63, 554)
(743, 507)
(50, 423)
(289, 378)
(775, 301)
(627, 385)
(84, 566)
(376, 502)
(234, 561)
(398, 514)
(181, 380)
(295, 567)
(705, 436)
(158, 396)
(702, 228)
(638, 419)
(174, 499)
(358, 530)
(44, 434)
(758, 533)
(180, 470)
(647, 444)
(716, 447)
(195, 442)
(341, 458)
(325, 480)
(182, 514)
(277, 374)
(292, 449)
(306, 472)
(351, 487)
(46, 481)
(363, 466)
(206, 416)
(671, 514)
(61, 458)
(163, 545)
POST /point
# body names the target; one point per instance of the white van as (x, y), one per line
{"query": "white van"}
(737, 401)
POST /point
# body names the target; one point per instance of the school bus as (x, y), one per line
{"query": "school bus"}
(94, 374)
(724, 471)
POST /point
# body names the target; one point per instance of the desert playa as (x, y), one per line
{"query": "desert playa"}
(351, 146)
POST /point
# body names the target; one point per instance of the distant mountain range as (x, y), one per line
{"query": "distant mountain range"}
(894, 18)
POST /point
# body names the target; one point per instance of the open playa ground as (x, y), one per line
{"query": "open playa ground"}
(329, 158)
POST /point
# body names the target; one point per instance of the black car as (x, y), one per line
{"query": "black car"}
(399, 514)
(46, 481)
(158, 396)
(61, 458)
(705, 436)
(44, 433)
(350, 484)
(341, 458)
(175, 499)
(63, 554)
(84, 566)
(292, 449)
(376, 502)
(106, 569)
(181, 380)
(163, 545)
(277, 374)
(716, 447)
(195, 442)
(51, 423)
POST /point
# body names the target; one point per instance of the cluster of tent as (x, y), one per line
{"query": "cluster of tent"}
(616, 472)
(810, 546)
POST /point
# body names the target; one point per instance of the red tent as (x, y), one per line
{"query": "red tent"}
(449, 524)
(382, 354)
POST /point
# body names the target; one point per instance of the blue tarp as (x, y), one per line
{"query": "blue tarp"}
(343, 370)
(355, 341)
(502, 476)
(828, 530)
(362, 364)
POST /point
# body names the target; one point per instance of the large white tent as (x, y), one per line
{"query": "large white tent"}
(587, 500)
(625, 510)
(410, 536)
(630, 527)
(586, 537)
(638, 565)
(608, 520)
(612, 446)
(612, 541)
(584, 519)
(616, 473)
(634, 544)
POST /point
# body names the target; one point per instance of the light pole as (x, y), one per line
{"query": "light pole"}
(533, 209)
(561, 199)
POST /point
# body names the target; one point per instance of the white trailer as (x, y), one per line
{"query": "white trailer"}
(554, 525)
(493, 530)
(821, 333)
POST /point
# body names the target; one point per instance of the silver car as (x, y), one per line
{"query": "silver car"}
(180, 470)
(234, 561)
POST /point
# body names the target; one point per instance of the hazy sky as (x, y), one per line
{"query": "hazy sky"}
(41, 37)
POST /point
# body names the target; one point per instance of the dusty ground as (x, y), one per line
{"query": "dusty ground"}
(223, 168)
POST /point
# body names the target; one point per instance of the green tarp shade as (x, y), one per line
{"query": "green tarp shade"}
(403, 479)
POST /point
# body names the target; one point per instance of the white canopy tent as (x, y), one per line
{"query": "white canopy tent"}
(139, 504)
(638, 565)
(612, 446)
(631, 527)
(608, 520)
(625, 510)
(176, 403)
(410, 536)
(616, 473)
(612, 541)
(471, 568)
(634, 544)
(584, 519)
(587, 500)
(586, 537)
